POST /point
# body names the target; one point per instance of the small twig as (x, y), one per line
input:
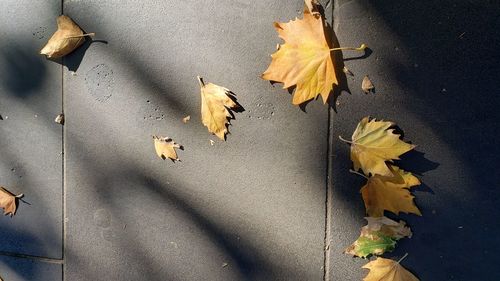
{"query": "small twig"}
(357, 173)
(344, 140)
(403, 258)
(360, 48)
(83, 35)
(200, 80)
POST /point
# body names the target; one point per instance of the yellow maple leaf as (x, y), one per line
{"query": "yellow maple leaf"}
(8, 201)
(305, 59)
(390, 193)
(165, 148)
(372, 144)
(216, 102)
(65, 40)
(387, 270)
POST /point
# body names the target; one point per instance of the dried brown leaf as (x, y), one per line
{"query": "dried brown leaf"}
(165, 148)
(367, 85)
(65, 40)
(9, 201)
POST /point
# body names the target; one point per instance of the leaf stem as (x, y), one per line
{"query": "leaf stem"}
(403, 258)
(357, 173)
(83, 35)
(344, 140)
(200, 80)
(360, 48)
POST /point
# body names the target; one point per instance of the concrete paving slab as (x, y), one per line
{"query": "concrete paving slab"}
(434, 67)
(31, 146)
(251, 208)
(23, 269)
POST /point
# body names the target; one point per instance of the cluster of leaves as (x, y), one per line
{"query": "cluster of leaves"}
(374, 147)
(304, 62)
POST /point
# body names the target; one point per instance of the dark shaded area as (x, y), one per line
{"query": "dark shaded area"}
(23, 69)
(449, 83)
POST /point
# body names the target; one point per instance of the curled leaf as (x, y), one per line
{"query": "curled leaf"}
(378, 236)
(9, 201)
(216, 103)
(59, 119)
(65, 40)
(367, 85)
(165, 148)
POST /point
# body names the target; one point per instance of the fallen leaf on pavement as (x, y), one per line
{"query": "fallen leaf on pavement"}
(9, 201)
(382, 193)
(165, 148)
(378, 236)
(372, 144)
(305, 58)
(367, 85)
(387, 270)
(216, 103)
(65, 40)
(59, 119)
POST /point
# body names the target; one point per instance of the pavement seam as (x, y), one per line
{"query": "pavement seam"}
(329, 184)
(63, 166)
(31, 257)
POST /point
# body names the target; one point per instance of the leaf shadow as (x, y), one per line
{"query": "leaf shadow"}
(73, 60)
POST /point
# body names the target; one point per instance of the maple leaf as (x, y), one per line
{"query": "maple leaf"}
(65, 40)
(165, 148)
(305, 59)
(216, 102)
(390, 193)
(378, 236)
(372, 144)
(387, 270)
(9, 201)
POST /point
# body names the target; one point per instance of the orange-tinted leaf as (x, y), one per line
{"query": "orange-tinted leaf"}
(305, 59)
(390, 193)
(9, 201)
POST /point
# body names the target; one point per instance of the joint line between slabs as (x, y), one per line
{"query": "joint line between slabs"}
(329, 185)
(31, 257)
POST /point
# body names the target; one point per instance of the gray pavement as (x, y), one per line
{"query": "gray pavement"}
(103, 206)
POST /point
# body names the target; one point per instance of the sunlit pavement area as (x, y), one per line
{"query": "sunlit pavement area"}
(276, 200)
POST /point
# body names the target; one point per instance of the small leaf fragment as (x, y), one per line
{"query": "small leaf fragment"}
(65, 40)
(347, 71)
(378, 236)
(392, 194)
(59, 119)
(373, 143)
(385, 225)
(9, 201)
(216, 103)
(387, 270)
(165, 148)
(186, 119)
(367, 85)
